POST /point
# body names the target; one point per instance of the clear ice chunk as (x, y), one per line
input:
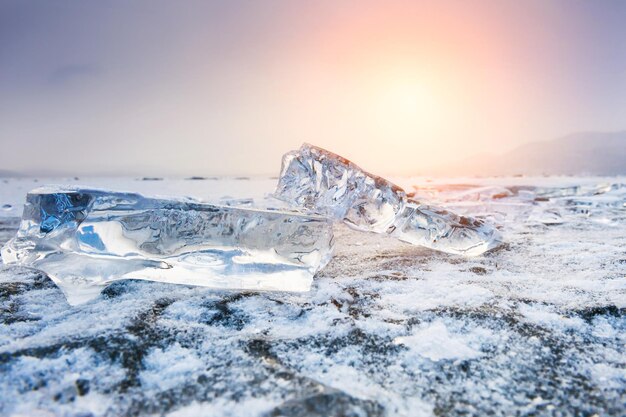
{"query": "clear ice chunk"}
(318, 181)
(85, 239)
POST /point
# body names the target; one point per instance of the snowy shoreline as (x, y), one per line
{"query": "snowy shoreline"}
(536, 327)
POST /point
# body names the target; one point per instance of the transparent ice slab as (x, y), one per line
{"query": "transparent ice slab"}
(321, 182)
(84, 239)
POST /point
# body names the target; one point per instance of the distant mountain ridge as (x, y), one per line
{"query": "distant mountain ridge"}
(583, 153)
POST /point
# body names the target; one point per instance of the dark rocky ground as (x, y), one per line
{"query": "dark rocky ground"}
(535, 328)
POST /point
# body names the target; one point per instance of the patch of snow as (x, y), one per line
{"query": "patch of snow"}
(167, 368)
(435, 342)
(223, 407)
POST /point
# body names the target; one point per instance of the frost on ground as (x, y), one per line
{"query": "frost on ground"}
(537, 327)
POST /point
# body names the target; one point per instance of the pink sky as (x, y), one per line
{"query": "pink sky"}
(227, 87)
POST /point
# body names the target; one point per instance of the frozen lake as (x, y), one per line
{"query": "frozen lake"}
(536, 327)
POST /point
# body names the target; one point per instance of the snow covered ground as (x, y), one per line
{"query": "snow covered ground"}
(536, 327)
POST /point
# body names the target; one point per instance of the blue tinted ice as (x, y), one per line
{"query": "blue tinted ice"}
(321, 182)
(84, 239)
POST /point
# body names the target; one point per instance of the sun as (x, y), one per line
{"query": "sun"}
(407, 108)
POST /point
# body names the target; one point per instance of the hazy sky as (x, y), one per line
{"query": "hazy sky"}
(225, 87)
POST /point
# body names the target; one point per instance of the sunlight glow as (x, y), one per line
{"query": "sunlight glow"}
(407, 108)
